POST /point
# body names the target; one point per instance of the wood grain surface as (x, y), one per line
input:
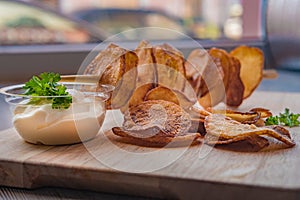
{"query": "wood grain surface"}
(106, 164)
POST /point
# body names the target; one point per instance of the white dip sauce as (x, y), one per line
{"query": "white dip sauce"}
(44, 125)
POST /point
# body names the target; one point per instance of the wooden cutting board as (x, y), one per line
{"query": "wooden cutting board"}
(106, 164)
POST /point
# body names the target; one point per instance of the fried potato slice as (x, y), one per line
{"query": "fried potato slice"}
(167, 116)
(252, 62)
(225, 128)
(250, 117)
(203, 71)
(139, 94)
(248, 143)
(195, 64)
(251, 143)
(197, 126)
(217, 93)
(213, 97)
(186, 99)
(111, 65)
(170, 67)
(162, 93)
(147, 72)
(155, 140)
(264, 113)
(225, 63)
(235, 87)
(198, 113)
(127, 84)
(212, 76)
(233, 84)
(156, 122)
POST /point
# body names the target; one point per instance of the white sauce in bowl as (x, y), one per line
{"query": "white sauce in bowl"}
(44, 125)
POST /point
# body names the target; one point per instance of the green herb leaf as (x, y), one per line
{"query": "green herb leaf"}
(286, 119)
(46, 84)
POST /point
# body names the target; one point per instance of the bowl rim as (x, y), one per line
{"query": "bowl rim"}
(4, 90)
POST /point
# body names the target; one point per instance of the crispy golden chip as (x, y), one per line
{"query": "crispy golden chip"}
(232, 82)
(250, 117)
(260, 123)
(212, 76)
(203, 71)
(217, 93)
(197, 126)
(168, 116)
(225, 128)
(195, 64)
(156, 122)
(225, 63)
(126, 86)
(139, 94)
(144, 52)
(155, 140)
(235, 87)
(171, 49)
(170, 67)
(252, 62)
(198, 114)
(250, 143)
(111, 65)
(264, 113)
(282, 131)
(147, 72)
(186, 101)
(213, 97)
(245, 143)
(162, 93)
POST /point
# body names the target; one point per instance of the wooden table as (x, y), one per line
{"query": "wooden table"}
(198, 171)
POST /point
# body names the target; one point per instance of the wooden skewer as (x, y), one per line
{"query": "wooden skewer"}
(80, 78)
(270, 74)
(267, 74)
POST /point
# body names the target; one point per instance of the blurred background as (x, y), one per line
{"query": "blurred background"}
(57, 35)
(205, 19)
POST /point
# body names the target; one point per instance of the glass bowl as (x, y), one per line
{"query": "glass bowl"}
(37, 122)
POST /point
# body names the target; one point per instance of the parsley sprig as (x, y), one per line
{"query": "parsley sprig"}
(286, 119)
(46, 84)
